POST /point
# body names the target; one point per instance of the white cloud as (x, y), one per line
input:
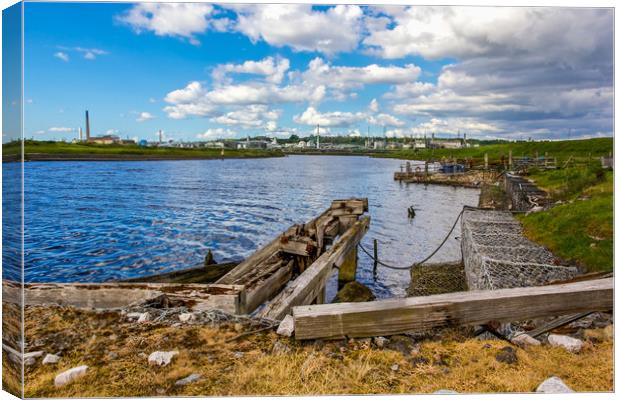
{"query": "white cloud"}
(408, 90)
(62, 56)
(144, 116)
(273, 69)
(112, 132)
(196, 100)
(385, 120)
(182, 20)
(253, 116)
(329, 119)
(374, 106)
(63, 129)
(344, 77)
(299, 26)
(217, 133)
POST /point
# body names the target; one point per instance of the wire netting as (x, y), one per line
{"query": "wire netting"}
(496, 254)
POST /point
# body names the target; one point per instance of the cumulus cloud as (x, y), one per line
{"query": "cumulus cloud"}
(273, 69)
(217, 133)
(374, 105)
(144, 116)
(62, 56)
(182, 20)
(301, 27)
(253, 116)
(63, 129)
(385, 120)
(519, 69)
(328, 119)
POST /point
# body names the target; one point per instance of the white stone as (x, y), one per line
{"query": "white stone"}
(162, 358)
(51, 359)
(571, 344)
(381, 341)
(65, 377)
(445, 391)
(30, 358)
(524, 340)
(394, 367)
(133, 315)
(187, 380)
(287, 326)
(186, 317)
(553, 385)
(144, 317)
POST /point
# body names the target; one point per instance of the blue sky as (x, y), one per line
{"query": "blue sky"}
(202, 71)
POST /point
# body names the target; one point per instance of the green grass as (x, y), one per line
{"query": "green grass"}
(49, 147)
(579, 149)
(581, 229)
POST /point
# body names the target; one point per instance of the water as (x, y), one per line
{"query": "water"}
(98, 221)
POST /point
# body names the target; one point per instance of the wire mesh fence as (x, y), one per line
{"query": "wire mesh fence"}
(496, 254)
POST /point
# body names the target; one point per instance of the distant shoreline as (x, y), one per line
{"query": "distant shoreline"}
(127, 157)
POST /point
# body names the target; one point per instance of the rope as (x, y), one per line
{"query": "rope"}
(421, 262)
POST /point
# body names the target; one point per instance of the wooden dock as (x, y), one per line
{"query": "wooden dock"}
(290, 270)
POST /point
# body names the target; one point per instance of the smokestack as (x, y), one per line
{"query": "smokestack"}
(160, 136)
(87, 127)
(318, 135)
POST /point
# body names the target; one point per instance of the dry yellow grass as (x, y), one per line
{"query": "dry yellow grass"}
(458, 363)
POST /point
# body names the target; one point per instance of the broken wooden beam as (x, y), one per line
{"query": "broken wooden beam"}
(117, 295)
(306, 288)
(390, 317)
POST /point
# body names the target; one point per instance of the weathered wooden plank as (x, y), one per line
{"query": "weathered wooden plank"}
(198, 274)
(300, 246)
(118, 295)
(389, 317)
(266, 289)
(314, 277)
(350, 203)
(261, 255)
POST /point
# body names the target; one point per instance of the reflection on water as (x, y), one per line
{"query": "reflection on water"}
(97, 221)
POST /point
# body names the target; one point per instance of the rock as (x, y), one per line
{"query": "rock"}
(50, 359)
(187, 380)
(394, 367)
(381, 341)
(287, 326)
(162, 358)
(507, 355)
(65, 377)
(238, 354)
(524, 340)
(238, 327)
(144, 317)
(186, 317)
(354, 292)
(402, 344)
(445, 391)
(553, 385)
(31, 358)
(571, 344)
(113, 337)
(133, 315)
(112, 355)
(280, 348)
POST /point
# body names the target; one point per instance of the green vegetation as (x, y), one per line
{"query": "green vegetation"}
(580, 229)
(580, 150)
(62, 148)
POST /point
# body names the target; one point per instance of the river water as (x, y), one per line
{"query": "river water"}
(98, 221)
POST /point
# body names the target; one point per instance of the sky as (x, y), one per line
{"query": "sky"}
(203, 71)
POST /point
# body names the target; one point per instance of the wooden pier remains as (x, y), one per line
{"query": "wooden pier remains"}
(290, 270)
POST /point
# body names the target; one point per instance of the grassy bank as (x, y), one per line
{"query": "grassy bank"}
(116, 351)
(562, 150)
(62, 150)
(580, 229)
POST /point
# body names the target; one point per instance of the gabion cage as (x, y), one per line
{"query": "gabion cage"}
(496, 254)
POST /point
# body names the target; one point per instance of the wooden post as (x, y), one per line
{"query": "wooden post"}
(348, 269)
(486, 161)
(510, 158)
(376, 258)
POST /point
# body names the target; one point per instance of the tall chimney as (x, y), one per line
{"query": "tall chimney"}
(87, 127)
(160, 136)
(318, 135)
